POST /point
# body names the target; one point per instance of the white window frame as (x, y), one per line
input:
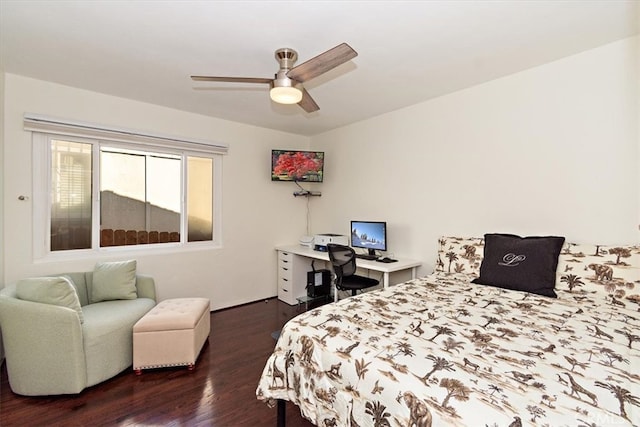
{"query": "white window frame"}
(44, 130)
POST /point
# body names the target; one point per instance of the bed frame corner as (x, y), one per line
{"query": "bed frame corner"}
(282, 413)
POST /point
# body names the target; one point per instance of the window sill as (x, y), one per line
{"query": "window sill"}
(126, 251)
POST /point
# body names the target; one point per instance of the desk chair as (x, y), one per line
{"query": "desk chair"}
(343, 261)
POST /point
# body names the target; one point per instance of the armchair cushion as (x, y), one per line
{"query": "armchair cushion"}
(50, 290)
(114, 281)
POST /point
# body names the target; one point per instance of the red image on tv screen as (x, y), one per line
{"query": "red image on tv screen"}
(301, 166)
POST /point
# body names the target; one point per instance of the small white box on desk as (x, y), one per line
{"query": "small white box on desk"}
(320, 241)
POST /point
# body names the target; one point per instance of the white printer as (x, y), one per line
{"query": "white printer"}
(320, 241)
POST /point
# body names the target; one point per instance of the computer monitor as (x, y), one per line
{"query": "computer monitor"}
(370, 235)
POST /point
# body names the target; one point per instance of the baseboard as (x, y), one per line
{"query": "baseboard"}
(245, 303)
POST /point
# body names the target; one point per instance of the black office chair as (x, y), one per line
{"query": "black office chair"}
(343, 260)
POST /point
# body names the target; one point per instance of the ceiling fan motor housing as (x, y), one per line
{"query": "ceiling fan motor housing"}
(286, 58)
(283, 89)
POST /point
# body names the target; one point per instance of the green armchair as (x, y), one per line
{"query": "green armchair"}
(50, 351)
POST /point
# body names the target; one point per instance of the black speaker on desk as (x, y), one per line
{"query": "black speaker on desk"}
(318, 283)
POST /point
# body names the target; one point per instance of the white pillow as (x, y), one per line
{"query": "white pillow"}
(113, 281)
(50, 290)
(607, 270)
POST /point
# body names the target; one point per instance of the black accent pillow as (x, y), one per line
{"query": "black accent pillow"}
(521, 263)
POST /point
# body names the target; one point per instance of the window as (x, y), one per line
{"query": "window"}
(105, 195)
(71, 206)
(199, 199)
(140, 197)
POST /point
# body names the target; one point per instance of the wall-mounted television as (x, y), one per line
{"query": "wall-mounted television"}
(370, 235)
(296, 165)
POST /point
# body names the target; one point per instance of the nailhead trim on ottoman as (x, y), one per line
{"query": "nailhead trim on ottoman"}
(171, 334)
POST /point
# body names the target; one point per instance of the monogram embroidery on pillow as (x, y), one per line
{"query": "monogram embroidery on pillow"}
(512, 260)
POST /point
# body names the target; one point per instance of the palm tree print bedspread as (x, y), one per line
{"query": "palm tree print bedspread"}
(440, 351)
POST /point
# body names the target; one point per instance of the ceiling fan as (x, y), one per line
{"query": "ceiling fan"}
(286, 87)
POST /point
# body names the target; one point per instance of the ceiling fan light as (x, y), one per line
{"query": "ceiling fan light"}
(285, 94)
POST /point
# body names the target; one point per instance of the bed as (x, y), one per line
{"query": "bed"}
(442, 350)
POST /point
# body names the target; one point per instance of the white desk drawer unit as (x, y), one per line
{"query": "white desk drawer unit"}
(292, 276)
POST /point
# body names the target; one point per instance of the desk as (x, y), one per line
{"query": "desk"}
(294, 261)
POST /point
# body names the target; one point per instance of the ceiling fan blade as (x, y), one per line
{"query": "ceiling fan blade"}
(322, 63)
(307, 103)
(231, 79)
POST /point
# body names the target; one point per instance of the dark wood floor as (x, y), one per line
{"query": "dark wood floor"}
(219, 392)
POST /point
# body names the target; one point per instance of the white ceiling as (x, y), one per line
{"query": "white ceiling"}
(409, 51)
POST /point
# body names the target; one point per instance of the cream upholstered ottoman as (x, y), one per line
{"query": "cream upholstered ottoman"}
(171, 334)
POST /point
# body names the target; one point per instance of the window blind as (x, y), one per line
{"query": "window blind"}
(39, 123)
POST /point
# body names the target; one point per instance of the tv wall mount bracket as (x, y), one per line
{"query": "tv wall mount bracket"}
(305, 193)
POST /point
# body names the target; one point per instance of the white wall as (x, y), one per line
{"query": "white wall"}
(257, 213)
(2, 249)
(551, 150)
